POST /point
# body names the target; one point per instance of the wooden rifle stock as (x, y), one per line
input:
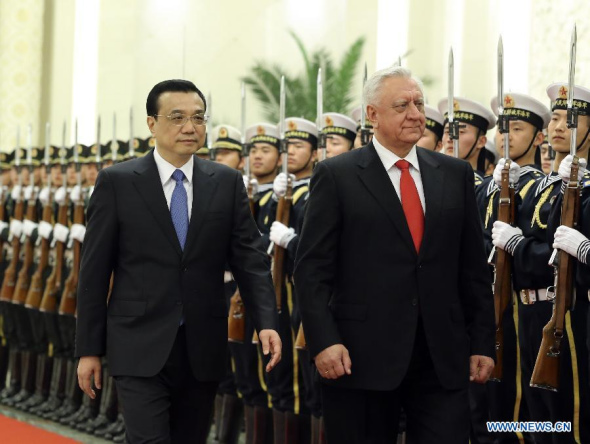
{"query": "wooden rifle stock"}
(237, 322)
(53, 284)
(9, 281)
(24, 280)
(278, 266)
(546, 372)
(35, 293)
(502, 285)
(67, 304)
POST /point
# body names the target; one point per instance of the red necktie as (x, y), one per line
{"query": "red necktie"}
(411, 203)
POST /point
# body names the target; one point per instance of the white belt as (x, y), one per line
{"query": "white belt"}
(528, 297)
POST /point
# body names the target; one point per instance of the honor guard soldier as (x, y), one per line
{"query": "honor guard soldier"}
(291, 415)
(432, 138)
(527, 117)
(547, 155)
(573, 391)
(356, 116)
(204, 153)
(227, 148)
(474, 122)
(340, 133)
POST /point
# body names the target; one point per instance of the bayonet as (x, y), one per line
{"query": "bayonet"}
(210, 128)
(245, 147)
(62, 152)
(572, 111)
(365, 133)
(30, 151)
(77, 158)
(131, 138)
(98, 150)
(322, 140)
(503, 123)
(17, 159)
(284, 148)
(453, 124)
(47, 158)
(114, 143)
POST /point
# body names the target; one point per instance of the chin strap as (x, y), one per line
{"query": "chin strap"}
(529, 147)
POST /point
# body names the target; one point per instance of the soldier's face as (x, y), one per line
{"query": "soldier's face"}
(71, 175)
(301, 155)
(264, 159)
(398, 116)
(230, 158)
(175, 140)
(468, 136)
(545, 159)
(520, 137)
(56, 176)
(559, 133)
(430, 141)
(89, 173)
(336, 145)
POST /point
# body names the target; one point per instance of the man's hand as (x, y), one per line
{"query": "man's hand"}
(271, 343)
(506, 236)
(570, 241)
(281, 235)
(333, 362)
(88, 367)
(565, 168)
(480, 368)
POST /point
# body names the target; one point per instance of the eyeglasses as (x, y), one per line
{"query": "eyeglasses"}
(181, 119)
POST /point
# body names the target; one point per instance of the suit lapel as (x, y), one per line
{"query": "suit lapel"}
(377, 181)
(204, 187)
(433, 184)
(148, 184)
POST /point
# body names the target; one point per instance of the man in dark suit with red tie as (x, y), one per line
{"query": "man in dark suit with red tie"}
(165, 225)
(392, 280)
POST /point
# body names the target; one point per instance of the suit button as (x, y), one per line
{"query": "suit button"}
(185, 269)
(414, 302)
(178, 302)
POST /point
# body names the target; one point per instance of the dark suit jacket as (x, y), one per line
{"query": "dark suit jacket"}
(361, 283)
(130, 233)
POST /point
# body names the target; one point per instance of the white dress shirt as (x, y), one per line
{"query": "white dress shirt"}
(165, 169)
(389, 159)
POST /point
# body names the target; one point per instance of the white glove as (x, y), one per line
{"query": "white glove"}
(253, 182)
(28, 192)
(281, 235)
(565, 168)
(75, 194)
(506, 236)
(279, 185)
(3, 226)
(45, 229)
(15, 193)
(572, 242)
(60, 196)
(60, 233)
(16, 228)
(513, 174)
(28, 227)
(77, 232)
(44, 196)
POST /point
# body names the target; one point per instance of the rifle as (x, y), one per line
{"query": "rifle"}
(453, 124)
(236, 326)
(131, 138)
(9, 281)
(54, 281)
(283, 207)
(24, 280)
(546, 372)
(502, 285)
(35, 292)
(67, 305)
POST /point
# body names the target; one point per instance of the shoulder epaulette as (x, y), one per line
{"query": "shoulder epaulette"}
(300, 192)
(264, 199)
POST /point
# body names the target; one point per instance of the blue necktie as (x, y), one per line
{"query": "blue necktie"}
(179, 208)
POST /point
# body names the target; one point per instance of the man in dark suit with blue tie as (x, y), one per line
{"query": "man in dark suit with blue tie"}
(392, 280)
(165, 225)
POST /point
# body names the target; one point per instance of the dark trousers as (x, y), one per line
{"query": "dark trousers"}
(434, 414)
(170, 407)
